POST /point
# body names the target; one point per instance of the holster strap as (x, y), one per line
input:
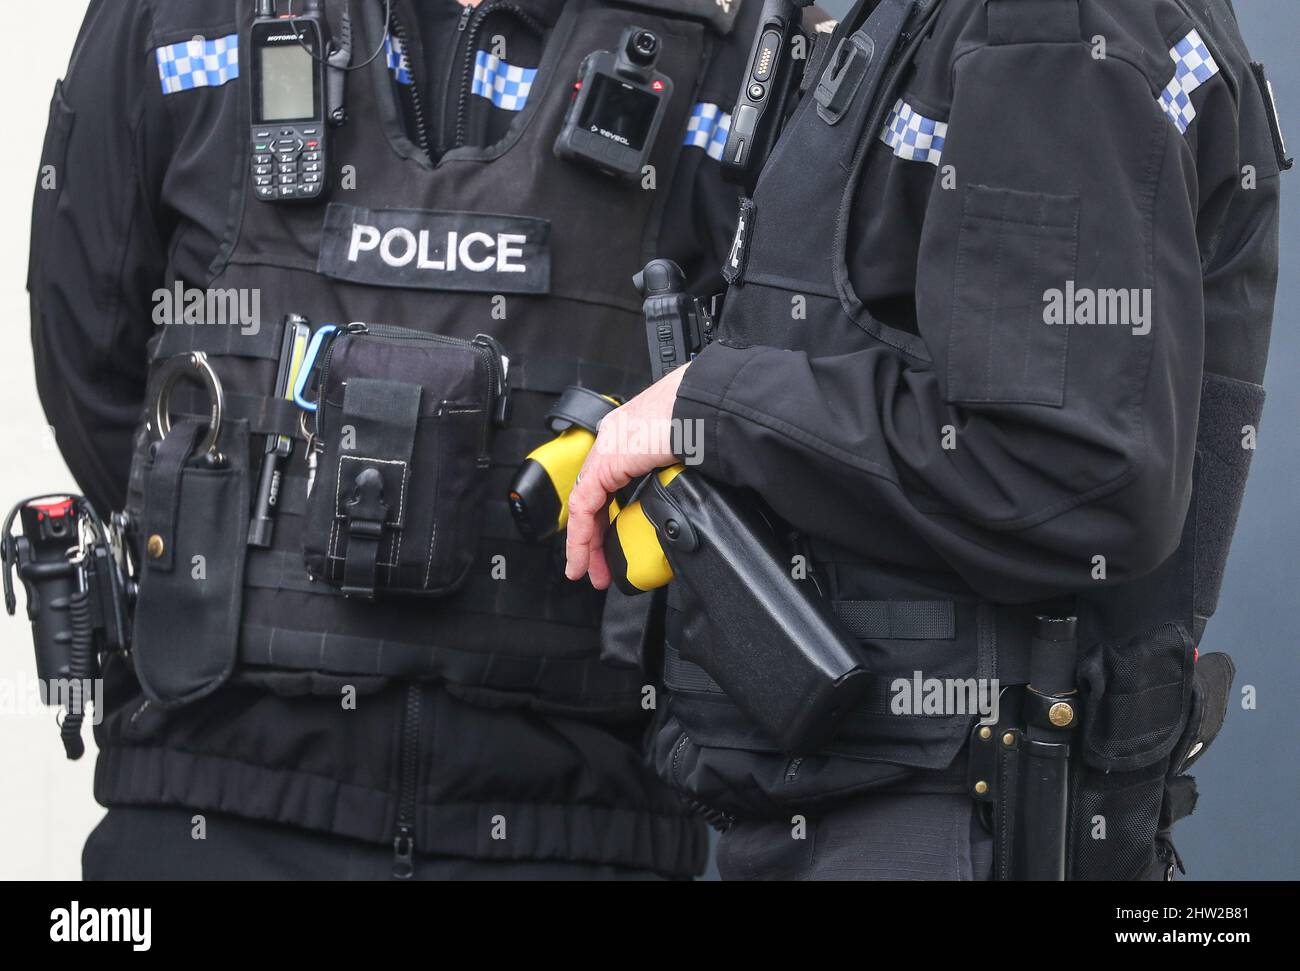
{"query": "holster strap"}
(578, 406)
(163, 491)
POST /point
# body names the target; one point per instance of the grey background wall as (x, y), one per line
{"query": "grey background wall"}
(1246, 826)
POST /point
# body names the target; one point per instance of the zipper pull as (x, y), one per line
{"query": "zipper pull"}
(466, 11)
(403, 853)
(313, 461)
(500, 376)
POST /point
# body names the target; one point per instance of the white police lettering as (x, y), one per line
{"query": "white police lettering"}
(477, 252)
(468, 251)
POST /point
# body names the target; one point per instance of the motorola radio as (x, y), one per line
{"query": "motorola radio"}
(288, 67)
(764, 100)
(618, 104)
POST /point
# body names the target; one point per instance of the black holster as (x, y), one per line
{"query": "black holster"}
(771, 643)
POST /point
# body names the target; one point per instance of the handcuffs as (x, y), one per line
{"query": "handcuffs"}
(193, 365)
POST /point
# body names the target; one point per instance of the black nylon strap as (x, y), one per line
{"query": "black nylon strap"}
(1006, 639)
(219, 340)
(163, 489)
(1180, 800)
(903, 620)
(526, 597)
(265, 415)
(553, 677)
(384, 415)
(552, 375)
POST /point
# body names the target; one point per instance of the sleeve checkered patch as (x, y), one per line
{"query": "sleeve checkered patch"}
(912, 136)
(708, 129)
(395, 53)
(1193, 66)
(198, 63)
(505, 85)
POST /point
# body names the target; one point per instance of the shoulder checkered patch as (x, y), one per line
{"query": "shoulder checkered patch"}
(708, 129)
(912, 136)
(198, 63)
(505, 85)
(1193, 66)
(395, 52)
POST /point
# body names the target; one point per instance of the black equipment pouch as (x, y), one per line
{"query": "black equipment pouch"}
(405, 421)
(1138, 700)
(192, 536)
(769, 641)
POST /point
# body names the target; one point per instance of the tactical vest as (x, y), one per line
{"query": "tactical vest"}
(571, 317)
(1145, 711)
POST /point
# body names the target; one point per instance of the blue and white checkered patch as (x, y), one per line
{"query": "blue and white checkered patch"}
(912, 136)
(395, 52)
(1193, 66)
(505, 85)
(198, 63)
(708, 129)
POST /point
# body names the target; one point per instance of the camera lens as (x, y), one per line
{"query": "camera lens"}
(642, 47)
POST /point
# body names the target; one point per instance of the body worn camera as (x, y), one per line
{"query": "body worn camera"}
(678, 325)
(619, 102)
(765, 97)
(288, 105)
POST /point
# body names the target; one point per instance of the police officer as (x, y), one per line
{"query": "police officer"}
(996, 328)
(280, 728)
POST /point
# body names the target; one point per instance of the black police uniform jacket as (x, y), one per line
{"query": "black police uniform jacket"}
(924, 364)
(483, 708)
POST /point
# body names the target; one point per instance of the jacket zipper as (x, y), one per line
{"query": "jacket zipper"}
(475, 24)
(417, 106)
(466, 14)
(404, 841)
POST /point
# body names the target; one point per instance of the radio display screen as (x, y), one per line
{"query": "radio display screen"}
(288, 84)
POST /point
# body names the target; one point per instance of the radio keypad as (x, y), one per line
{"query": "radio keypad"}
(287, 163)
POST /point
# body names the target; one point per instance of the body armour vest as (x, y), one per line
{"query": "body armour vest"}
(1136, 640)
(508, 241)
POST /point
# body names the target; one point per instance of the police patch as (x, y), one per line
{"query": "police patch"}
(395, 54)
(1193, 66)
(425, 250)
(912, 136)
(708, 129)
(505, 85)
(198, 63)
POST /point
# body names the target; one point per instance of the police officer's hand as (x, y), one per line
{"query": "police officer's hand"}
(633, 440)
